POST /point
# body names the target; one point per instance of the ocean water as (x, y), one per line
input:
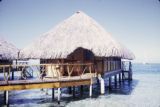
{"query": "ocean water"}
(143, 91)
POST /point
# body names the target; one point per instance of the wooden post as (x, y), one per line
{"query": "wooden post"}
(73, 91)
(119, 78)
(6, 97)
(52, 94)
(13, 72)
(81, 90)
(110, 82)
(59, 95)
(102, 67)
(130, 71)
(70, 90)
(111, 65)
(115, 80)
(108, 65)
(90, 90)
(102, 86)
(123, 76)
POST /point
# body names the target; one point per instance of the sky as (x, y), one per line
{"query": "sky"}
(134, 23)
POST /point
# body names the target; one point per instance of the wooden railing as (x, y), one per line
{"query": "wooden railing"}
(56, 71)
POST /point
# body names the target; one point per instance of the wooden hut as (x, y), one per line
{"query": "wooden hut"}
(78, 39)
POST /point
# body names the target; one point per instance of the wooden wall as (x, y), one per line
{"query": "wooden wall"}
(5, 62)
(80, 55)
(107, 64)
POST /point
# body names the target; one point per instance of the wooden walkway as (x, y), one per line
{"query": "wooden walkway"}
(86, 79)
(46, 83)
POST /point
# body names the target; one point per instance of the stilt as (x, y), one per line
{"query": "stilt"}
(70, 90)
(59, 95)
(122, 76)
(115, 80)
(52, 94)
(12, 74)
(130, 71)
(98, 83)
(110, 83)
(6, 97)
(81, 90)
(73, 91)
(102, 84)
(90, 90)
(119, 78)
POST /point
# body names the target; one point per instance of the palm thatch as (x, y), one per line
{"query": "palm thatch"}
(79, 30)
(7, 50)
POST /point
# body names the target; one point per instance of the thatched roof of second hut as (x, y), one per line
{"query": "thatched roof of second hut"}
(7, 50)
(79, 30)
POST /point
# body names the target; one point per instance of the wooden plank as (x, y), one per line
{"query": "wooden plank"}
(75, 83)
(45, 85)
(29, 86)
(111, 73)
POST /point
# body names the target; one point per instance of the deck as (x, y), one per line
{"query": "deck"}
(86, 76)
(46, 83)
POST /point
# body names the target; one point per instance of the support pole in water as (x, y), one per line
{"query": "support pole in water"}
(81, 90)
(12, 74)
(73, 91)
(115, 80)
(130, 71)
(70, 90)
(123, 76)
(6, 97)
(102, 84)
(90, 90)
(110, 83)
(59, 95)
(119, 78)
(52, 94)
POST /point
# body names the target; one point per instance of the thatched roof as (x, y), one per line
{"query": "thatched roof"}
(79, 30)
(7, 50)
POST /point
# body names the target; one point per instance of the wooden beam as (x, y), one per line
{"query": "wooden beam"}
(30, 86)
(75, 83)
(57, 84)
(112, 73)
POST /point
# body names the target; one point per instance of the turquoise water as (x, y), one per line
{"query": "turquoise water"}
(143, 91)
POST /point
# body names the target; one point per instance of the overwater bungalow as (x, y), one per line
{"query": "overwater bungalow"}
(79, 39)
(76, 52)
